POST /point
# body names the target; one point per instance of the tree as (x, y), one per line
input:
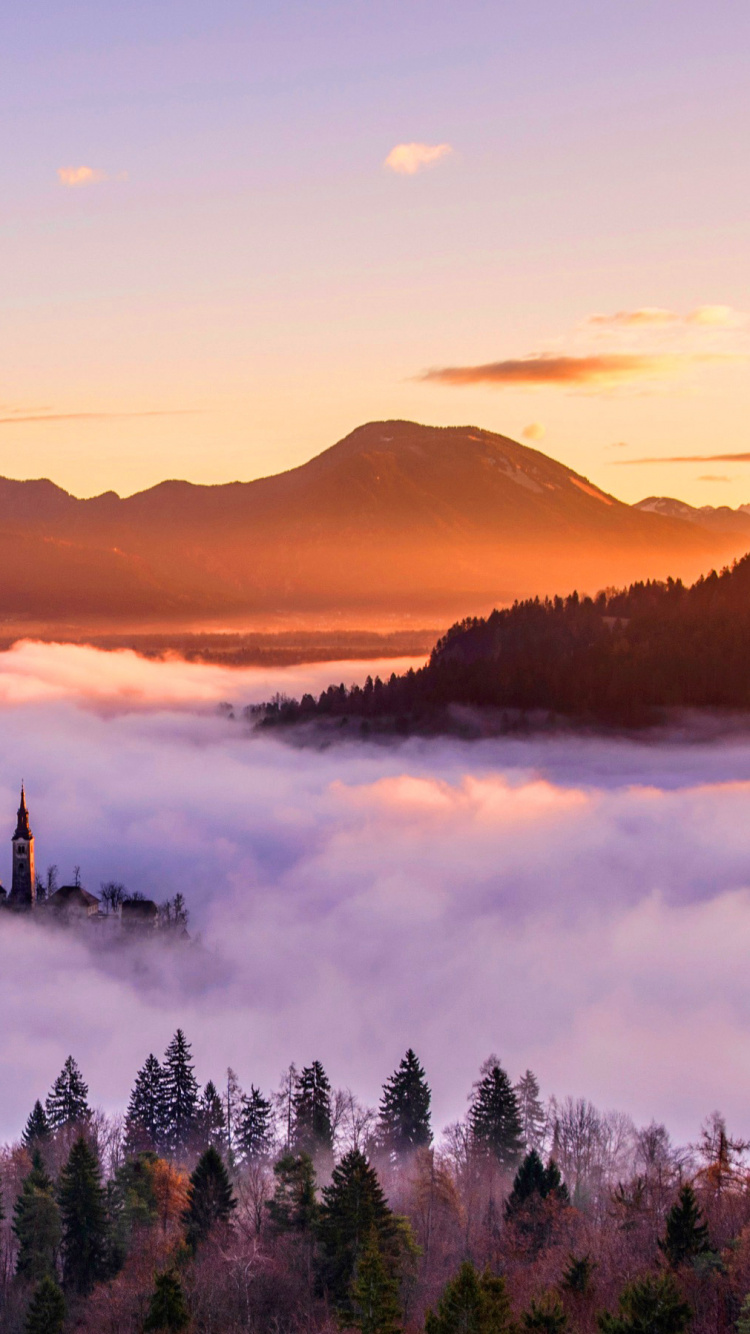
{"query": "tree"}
(84, 1219)
(545, 1317)
(471, 1303)
(404, 1122)
(67, 1101)
(37, 1131)
(531, 1111)
(144, 1120)
(494, 1117)
(374, 1293)
(354, 1207)
(180, 1097)
(36, 1224)
(312, 1130)
(532, 1184)
(167, 1309)
(294, 1207)
(46, 1313)
(253, 1134)
(686, 1234)
(650, 1305)
(210, 1122)
(210, 1198)
(577, 1275)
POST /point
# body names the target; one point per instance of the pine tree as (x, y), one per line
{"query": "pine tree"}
(253, 1134)
(37, 1131)
(145, 1116)
(374, 1294)
(210, 1121)
(210, 1198)
(404, 1122)
(686, 1234)
(180, 1097)
(67, 1101)
(533, 1181)
(545, 1317)
(471, 1303)
(46, 1313)
(354, 1206)
(577, 1275)
(294, 1207)
(36, 1224)
(312, 1131)
(167, 1309)
(493, 1117)
(650, 1305)
(531, 1111)
(84, 1219)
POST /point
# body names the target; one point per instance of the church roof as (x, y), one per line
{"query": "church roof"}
(23, 829)
(68, 894)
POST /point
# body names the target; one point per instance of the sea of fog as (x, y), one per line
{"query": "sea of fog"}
(580, 906)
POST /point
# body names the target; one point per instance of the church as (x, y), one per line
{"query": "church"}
(72, 904)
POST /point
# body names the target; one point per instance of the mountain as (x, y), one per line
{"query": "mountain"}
(397, 519)
(716, 518)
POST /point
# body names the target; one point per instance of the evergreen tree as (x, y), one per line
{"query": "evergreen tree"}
(531, 1111)
(577, 1275)
(354, 1207)
(210, 1198)
(144, 1121)
(167, 1309)
(294, 1207)
(46, 1313)
(37, 1131)
(253, 1134)
(471, 1303)
(374, 1293)
(545, 1317)
(67, 1101)
(650, 1305)
(210, 1121)
(404, 1122)
(180, 1097)
(36, 1224)
(84, 1219)
(494, 1118)
(534, 1182)
(687, 1233)
(312, 1130)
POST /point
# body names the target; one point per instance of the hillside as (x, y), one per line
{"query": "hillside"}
(396, 519)
(622, 658)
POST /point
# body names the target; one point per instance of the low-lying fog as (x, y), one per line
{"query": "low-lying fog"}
(579, 906)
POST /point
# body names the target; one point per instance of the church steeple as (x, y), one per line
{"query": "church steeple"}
(23, 887)
(23, 829)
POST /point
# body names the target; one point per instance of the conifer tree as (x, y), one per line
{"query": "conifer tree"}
(294, 1207)
(547, 1316)
(67, 1102)
(354, 1207)
(651, 1305)
(404, 1122)
(210, 1198)
(531, 1111)
(144, 1121)
(180, 1097)
(687, 1232)
(36, 1224)
(167, 1309)
(533, 1181)
(210, 1121)
(36, 1132)
(577, 1275)
(84, 1219)
(46, 1313)
(471, 1303)
(375, 1306)
(253, 1134)
(493, 1117)
(312, 1130)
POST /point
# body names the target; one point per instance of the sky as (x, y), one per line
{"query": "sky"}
(231, 233)
(577, 905)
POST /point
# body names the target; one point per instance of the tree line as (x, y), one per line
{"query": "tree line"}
(622, 658)
(206, 1211)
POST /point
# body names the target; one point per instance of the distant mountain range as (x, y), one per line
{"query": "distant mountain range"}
(716, 518)
(397, 519)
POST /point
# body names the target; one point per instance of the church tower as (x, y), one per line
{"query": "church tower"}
(23, 887)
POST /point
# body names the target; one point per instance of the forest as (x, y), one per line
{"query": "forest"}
(215, 1211)
(622, 658)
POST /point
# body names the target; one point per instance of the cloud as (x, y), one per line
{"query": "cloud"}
(580, 905)
(75, 176)
(685, 458)
(18, 418)
(619, 444)
(408, 159)
(548, 369)
(717, 317)
(643, 315)
(534, 431)
(714, 477)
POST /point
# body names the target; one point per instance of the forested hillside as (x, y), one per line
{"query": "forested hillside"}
(621, 657)
(217, 1211)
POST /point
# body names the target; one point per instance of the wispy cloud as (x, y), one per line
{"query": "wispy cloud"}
(534, 431)
(714, 477)
(629, 318)
(18, 418)
(75, 176)
(686, 458)
(408, 159)
(547, 369)
(716, 317)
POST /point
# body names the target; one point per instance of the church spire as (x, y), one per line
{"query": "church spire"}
(23, 829)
